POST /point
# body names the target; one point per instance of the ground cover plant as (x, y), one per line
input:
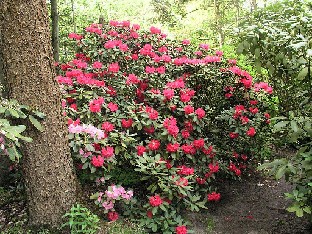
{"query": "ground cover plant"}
(155, 124)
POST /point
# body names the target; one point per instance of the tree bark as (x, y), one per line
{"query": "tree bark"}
(29, 72)
(55, 31)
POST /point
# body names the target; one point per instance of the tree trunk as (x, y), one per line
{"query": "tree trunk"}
(55, 31)
(28, 70)
(218, 22)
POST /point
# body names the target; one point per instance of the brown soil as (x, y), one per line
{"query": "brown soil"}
(254, 206)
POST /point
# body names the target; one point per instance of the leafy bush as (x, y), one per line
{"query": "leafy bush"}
(139, 103)
(11, 134)
(278, 38)
(81, 220)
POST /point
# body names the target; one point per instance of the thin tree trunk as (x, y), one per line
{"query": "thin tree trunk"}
(218, 22)
(55, 31)
(28, 69)
(73, 15)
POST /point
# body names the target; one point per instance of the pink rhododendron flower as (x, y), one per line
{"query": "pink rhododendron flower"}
(186, 42)
(204, 46)
(168, 93)
(97, 65)
(112, 107)
(114, 67)
(155, 30)
(200, 113)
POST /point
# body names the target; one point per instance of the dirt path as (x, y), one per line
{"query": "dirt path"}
(255, 206)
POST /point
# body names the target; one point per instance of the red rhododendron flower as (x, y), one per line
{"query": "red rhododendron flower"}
(200, 180)
(267, 115)
(188, 149)
(188, 109)
(132, 79)
(140, 150)
(173, 130)
(233, 135)
(207, 151)
(154, 145)
(172, 148)
(181, 230)
(228, 95)
(244, 119)
(253, 102)
(253, 110)
(244, 157)
(184, 170)
(204, 46)
(149, 130)
(186, 42)
(181, 182)
(213, 168)
(188, 125)
(185, 134)
(200, 113)
(97, 147)
(96, 104)
(112, 106)
(107, 126)
(251, 132)
(214, 196)
(112, 215)
(199, 143)
(126, 123)
(107, 152)
(153, 114)
(149, 214)
(155, 200)
(97, 161)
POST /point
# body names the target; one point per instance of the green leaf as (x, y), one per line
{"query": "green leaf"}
(280, 172)
(303, 73)
(280, 125)
(36, 123)
(294, 126)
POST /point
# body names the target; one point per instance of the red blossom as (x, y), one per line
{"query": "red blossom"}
(107, 152)
(233, 135)
(107, 126)
(214, 196)
(181, 230)
(126, 123)
(97, 161)
(155, 200)
(251, 132)
(200, 113)
(140, 150)
(112, 215)
(154, 145)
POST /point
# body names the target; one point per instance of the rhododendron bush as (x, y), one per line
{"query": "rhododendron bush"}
(144, 107)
